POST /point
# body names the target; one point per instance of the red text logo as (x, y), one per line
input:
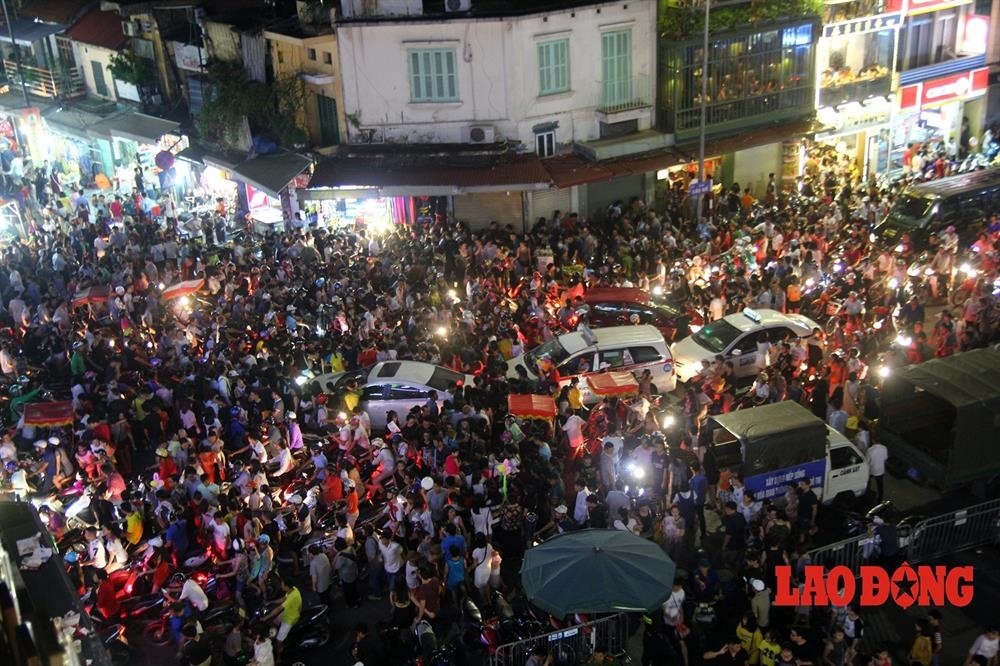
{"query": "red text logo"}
(875, 586)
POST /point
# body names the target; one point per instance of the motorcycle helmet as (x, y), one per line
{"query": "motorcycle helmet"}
(264, 539)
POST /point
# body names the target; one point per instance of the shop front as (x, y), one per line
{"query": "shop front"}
(855, 133)
(269, 187)
(139, 139)
(855, 59)
(940, 112)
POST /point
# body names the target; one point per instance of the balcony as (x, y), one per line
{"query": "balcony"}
(624, 99)
(857, 89)
(46, 83)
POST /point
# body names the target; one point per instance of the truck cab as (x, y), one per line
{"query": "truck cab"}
(774, 445)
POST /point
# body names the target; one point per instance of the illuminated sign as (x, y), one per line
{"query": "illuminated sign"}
(853, 117)
(922, 6)
(945, 89)
(862, 25)
(974, 34)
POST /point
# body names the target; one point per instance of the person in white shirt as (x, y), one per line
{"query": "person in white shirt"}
(392, 557)
(877, 455)
(984, 649)
(192, 593)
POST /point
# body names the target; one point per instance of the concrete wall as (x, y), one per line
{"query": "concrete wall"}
(751, 166)
(87, 54)
(497, 73)
(222, 41)
(290, 57)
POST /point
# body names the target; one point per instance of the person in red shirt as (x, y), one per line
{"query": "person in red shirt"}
(107, 596)
(166, 468)
(333, 486)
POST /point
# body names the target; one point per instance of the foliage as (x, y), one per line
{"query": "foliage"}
(678, 21)
(132, 69)
(271, 109)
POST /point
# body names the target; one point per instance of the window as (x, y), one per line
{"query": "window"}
(402, 392)
(281, 58)
(945, 36)
(843, 456)
(433, 75)
(553, 67)
(327, 58)
(616, 67)
(645, 354)
(545, 144)
(918, 43)
(311, 54)
(615, 358)
(376, 392)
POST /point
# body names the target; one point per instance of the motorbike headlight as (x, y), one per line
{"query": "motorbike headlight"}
(669, 421)
(884, 371)
(694, 328)
(657, 290)
(872, 238)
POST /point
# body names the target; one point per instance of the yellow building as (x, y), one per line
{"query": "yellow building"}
(310, 52)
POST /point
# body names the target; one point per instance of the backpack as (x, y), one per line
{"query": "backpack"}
(921, 651)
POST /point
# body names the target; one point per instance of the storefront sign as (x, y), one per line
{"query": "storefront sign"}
(945, 89)
(922, 6)
(974, 33)
(854, 117)
(862, 25)
(187, 56)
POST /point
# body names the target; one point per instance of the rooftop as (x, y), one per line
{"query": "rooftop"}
(54, 11)
(99, 28)
(435, 10)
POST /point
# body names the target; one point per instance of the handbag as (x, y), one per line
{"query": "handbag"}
(683, 631)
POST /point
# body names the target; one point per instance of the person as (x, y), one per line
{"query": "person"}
(730, 653)
(540, 656)
(195, 651)
(601, 657)
(877, 456)
(367, 648)
(346, 565)
(290, 611)
(320, 571)
(937, 635)
(837, 649)
(984, 649)
(192, 593)
(922, 649)
(807, 509)
(263, 651)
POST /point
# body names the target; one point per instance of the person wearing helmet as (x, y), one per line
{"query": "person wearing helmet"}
(295, 442)
(352, 500)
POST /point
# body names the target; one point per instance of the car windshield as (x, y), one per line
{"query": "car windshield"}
(358, 376)
(552, 350)
(442, 378)
(910, 210)
(717, 336)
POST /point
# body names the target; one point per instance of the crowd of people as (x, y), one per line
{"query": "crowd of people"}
(198, 429)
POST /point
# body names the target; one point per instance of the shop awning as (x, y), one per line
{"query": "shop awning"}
(71, 122)
(530, 406)
(49, 414)
(136, 127)
(421, 171)
(27, 31)
(198, 154)
(271, 173)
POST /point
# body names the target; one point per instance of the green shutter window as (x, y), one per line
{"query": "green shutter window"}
(553, 67)
(616, 67)
(433, 75)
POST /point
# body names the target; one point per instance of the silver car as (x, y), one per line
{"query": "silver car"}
(396, 386)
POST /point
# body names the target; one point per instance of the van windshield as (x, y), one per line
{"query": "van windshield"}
(717, 336)
(552, 350)
(910, 210)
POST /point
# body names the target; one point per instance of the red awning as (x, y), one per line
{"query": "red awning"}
(49, 414)
(531, 406)
(91, 295)
(182, 289)
(620, 384)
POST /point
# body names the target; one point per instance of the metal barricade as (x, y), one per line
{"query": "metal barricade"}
(854, 552)
(973, 526)
(574, 644)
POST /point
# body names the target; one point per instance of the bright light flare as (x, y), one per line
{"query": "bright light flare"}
(884, 371)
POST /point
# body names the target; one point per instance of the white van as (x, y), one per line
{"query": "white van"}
(588, 351)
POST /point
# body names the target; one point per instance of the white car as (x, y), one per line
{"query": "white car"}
(395, 386)
(589, 351)
(735, 337)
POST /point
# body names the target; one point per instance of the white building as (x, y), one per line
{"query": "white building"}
(540, 78)
(493, 78)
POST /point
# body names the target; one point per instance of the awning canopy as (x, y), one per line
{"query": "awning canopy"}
(620, 384)
(26, 31)
(531, 406)
(136, 127)
(49, 414)
(436, 168)
(271, 173)
(198, 154)
(182, 289)
(71, 122)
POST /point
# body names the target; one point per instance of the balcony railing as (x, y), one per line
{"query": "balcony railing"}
(50, 84)
(855, 91)
(837, 11)
(626, 94)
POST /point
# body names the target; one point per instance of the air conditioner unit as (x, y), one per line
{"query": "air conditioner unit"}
(129, 29)
(457, 5)
(479, 134)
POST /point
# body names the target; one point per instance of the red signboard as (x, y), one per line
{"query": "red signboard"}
(921, 6)
(956, 86)
(909, 96)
